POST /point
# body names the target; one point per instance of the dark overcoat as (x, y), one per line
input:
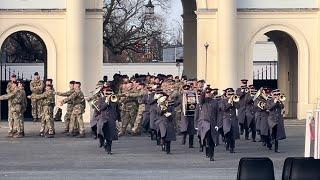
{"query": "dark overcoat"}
(147, 100)
(106, 125)
(208, 116)
(230, 121)
(241, 106)
(187, 124)
(250, 109)
(154, 113)
(261, 117)
(166, 127)
(275, 118)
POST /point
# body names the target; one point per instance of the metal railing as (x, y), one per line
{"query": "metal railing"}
(269, 71)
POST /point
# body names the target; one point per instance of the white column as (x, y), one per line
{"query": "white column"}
(190, 45)
(227, 44)
(75, 40)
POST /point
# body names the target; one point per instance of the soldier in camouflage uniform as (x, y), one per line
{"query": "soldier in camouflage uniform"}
(69, 106)
(22, 92)
(128, 108)
(140, 91)
(79, 106)
(47, 99)
(36, 87)
(16, 108)
(9, 90)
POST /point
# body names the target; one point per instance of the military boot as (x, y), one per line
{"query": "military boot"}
(168, 147)
(184, 139)
(191, 141)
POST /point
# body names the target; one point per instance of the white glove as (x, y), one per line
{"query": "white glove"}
(216, 127)
(167, 114)
(275, 100)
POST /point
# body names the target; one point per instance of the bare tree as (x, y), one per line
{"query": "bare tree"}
(24, 47)
(128, 29)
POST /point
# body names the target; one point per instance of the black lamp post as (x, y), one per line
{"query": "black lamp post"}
(149, 9)
(206, 45)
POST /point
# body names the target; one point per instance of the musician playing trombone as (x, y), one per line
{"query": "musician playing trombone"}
(230, 122)
(275, 119)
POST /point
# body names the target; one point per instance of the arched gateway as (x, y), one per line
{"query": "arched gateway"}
(72, 33)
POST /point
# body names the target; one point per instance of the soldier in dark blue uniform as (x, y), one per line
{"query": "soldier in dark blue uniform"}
(275, 119)
(109, 114)
(242, 92)
(208, 115)
(230, 121)
(250, 123)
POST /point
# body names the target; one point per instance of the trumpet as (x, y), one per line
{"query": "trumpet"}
(246, 90)
(114, 98)
(282, 97)
(235, 98)
(261, 105)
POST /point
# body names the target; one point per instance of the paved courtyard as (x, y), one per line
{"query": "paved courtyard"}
(67, 158)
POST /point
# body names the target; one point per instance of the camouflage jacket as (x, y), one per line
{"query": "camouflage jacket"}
(79, 103)
(66, 94)
(23, 95)
(36, 86)
(48, 98)
(17, 100)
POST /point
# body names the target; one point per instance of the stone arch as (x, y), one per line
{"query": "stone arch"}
(47, 39)
(303, 59)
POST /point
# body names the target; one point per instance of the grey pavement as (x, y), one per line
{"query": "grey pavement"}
(35, 158)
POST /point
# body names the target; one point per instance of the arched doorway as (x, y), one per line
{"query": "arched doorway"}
(282, 73)
(22, 53)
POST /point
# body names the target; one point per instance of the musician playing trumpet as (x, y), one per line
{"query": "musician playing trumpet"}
(275, 119)
(261, 116)
(230, 122)
(108, 116)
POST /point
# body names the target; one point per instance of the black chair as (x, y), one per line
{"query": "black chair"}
(287, 166)
(305, 169)
(255, 169)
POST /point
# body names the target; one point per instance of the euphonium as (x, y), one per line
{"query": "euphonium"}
(261, 105)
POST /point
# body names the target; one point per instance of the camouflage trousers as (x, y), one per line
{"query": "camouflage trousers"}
(11, 122)
(36, 109)
(16, 124)
(67, 119)
(76, 122)
(137, 124)
(47, 123)
(128, 116)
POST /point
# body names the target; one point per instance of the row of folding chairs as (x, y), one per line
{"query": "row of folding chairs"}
(294, 168)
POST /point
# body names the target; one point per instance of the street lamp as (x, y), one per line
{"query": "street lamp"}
(206, 45)
(149, 8)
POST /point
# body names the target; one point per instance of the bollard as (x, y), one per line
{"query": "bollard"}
(308, 139)
(317, 135)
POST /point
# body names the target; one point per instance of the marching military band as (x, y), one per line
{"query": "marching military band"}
(161, 106)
